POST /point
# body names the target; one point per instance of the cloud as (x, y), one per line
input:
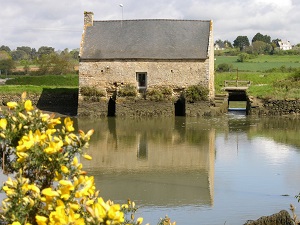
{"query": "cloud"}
(59, 23)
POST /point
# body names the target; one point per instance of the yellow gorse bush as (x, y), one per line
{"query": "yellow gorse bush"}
(46, 184)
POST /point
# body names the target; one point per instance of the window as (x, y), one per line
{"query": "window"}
(141, 78)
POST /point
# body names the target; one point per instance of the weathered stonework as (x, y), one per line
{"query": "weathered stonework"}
(113, 54)
(177, 74)
(144, 108)
(288, 107)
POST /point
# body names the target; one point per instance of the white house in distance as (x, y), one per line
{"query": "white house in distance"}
(284, 45)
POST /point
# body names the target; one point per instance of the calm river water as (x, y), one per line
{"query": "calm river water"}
(215, 171)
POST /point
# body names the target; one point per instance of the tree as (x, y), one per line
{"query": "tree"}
(260, 37)
(45, 50)
(227, 44)
(6, 62)
(241, 42)
(25, 49)
(18, 55)
(33, 54)
(261, 47)
(5, 48)
(75, 53)
(55, 64)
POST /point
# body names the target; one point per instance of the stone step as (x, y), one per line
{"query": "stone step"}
(219, 98)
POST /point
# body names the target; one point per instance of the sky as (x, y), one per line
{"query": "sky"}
(59, 23)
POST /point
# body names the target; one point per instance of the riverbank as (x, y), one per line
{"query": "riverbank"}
(64, 101)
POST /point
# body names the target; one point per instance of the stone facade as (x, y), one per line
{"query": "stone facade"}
(185, 63)
(178, 74)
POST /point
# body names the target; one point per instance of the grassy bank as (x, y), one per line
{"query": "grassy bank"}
(36, 84)
(260, 63)
(271, 77)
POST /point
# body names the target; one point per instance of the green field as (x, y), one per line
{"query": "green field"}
(36, 84)
(261, 62)
(275, 85)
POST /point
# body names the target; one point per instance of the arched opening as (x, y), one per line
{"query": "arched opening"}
(180, 107)
(111, 112)
(238, 101)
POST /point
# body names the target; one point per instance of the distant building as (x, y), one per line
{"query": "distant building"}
(284, 45)
(220, 46)
(146, 54)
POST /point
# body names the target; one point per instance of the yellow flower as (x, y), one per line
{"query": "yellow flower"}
(65, 189)
(54, 122)
(28, 105)
(87, 136)
(26, 142)
(53, 147)
(75, 161)
(16, 223)
(139, 220)
(33, 188)
(86, 156)
(3, 124)
(41, 220)
(49, 192)
(44, 117)
(69, 124)
(64, 169)
(22, 156)
(12, 105)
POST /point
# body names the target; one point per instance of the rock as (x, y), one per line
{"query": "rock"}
(281, 218)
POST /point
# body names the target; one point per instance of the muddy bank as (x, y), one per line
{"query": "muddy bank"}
(65, 102)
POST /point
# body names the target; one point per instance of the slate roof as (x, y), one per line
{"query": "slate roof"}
(146, 39)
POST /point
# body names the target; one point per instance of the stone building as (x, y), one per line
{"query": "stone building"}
(145, 54)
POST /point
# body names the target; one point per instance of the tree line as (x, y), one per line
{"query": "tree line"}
(260, 44)
(45, 60)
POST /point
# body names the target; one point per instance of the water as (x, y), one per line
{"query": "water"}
(224, 170)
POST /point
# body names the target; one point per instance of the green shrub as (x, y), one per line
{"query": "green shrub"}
(159, 93)
(46, 183)
(92, 91)
(127, 90)
(196, 93)
(243, 57)
(224, 67)
(296, 75)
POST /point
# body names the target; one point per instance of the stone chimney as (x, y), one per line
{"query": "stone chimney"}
(88, 19)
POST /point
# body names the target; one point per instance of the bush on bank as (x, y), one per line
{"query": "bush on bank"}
(46, 182)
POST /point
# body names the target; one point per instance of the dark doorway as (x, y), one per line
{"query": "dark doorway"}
(238, 101)
(111, 112)
(180, 107)
(141, 78)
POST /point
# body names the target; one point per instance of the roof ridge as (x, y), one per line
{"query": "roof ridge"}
(152, 20)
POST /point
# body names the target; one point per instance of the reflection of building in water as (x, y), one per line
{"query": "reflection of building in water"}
(153, 162)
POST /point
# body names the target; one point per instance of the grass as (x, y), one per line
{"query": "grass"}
(36, 84)
(260, 63)
(263, 84)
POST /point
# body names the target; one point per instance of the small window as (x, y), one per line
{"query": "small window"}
(141, 78)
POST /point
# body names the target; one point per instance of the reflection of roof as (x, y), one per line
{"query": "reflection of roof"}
(159, 188)
(147, 39)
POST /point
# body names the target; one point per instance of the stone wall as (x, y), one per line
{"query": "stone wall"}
(144, 108)
(177, 74)
(198, 109)
(275, 107)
